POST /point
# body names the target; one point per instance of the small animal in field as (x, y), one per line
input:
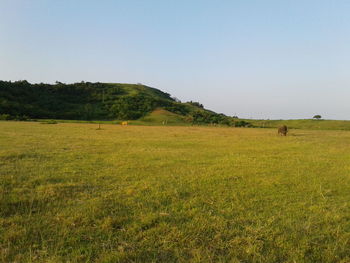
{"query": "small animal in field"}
(283, 130)
(124, 123)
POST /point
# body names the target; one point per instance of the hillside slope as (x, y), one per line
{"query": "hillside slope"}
(163, 117)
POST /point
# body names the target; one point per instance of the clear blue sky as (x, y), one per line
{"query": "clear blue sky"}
(261, 59)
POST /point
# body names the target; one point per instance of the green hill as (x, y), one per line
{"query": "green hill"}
(98, 101)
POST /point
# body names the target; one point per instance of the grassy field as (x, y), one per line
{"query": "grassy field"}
(308, 124)
(71, 193)
(157, 117)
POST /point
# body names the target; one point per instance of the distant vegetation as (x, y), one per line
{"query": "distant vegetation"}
(197, 104)
(22, 100)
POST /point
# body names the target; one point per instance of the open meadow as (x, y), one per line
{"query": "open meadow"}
(72, 193)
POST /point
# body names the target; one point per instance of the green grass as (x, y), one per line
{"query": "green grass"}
(71, 193)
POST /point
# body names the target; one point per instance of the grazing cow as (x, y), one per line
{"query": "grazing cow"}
(124, 123)
(283, 130)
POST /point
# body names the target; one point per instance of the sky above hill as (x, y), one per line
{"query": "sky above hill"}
(260, 59)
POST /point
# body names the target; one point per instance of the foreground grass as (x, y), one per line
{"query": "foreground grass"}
(69, 192)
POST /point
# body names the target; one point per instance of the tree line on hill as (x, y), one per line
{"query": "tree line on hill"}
(96, 101)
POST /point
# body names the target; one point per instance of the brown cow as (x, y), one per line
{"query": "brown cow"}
(283, 130)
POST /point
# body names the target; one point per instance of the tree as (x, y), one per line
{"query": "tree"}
(317, 117)
(196, 104)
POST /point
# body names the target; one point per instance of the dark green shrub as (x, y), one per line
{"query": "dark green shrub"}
(21, 118)
(242, 123)
(6, 117)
